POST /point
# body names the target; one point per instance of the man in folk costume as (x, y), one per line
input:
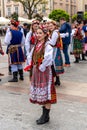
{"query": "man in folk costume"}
(15, 39)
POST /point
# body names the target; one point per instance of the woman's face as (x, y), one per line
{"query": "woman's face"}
(51, 27)
(35, 27)
(40, 35)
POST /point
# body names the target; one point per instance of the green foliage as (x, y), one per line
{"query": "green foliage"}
(57, 14)
(14, 16)
(74, 17)
(85, 15)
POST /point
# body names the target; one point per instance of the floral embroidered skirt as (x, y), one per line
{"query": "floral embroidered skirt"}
(59, 62)
(42, 89)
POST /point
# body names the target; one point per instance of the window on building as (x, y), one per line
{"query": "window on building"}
(16, 9)
(85, 8)
(75, 10)
(74, 1)
(8, 0)
(9, 11)
(43, 8)
(61, 4)
(67, 8)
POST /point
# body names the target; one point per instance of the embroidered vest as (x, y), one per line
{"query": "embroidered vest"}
(38, 56)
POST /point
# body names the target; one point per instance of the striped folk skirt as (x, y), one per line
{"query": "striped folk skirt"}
(77, 46)
(42, 89)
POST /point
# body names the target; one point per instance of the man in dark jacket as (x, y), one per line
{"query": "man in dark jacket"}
(65, 28)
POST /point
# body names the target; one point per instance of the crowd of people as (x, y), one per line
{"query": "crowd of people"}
(40, 46)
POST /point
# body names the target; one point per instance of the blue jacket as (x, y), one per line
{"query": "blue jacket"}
(84, 28)
(65, 27)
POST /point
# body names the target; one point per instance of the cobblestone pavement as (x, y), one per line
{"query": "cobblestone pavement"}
(70, 112)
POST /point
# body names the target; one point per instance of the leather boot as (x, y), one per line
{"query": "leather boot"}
(21, 74)
(83, 56)
(76, 60)
(57, 80)
(44, 117)
(9, 70)
(15, 77)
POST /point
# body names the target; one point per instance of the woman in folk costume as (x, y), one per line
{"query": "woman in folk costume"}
(72, 40)
(77, 46)
(31, 39)
(58, 62)
(14, 39)
(42, 90)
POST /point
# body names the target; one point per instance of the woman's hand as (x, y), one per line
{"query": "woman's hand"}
(42, 68)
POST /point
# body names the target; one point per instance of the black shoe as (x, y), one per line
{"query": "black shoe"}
(76, 60)
(1, 74)
(57, 81)
(15, 77)
(44, 118)
(0, 79)
(13, 80)
(21, 74)
(84, 59)
(9, 70)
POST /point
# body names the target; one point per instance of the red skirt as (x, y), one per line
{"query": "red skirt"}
(42, 90)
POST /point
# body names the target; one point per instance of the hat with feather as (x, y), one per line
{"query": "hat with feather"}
(14, 20)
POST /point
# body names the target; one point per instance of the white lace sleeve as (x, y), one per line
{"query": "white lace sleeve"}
(7, 38)
(29, 57)
(54, 38)
(27, 42)
(48, 58)
(23, 40)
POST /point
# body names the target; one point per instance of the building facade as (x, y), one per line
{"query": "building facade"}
(70, 6)
(7, 7)
(82, 5)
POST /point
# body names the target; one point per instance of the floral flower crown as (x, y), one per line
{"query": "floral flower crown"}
(35, 22)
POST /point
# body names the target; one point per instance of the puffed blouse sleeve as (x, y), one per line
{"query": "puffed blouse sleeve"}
(54, 38)
(27, 42)
(29, 56)
(48, 57)
(8, 37)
